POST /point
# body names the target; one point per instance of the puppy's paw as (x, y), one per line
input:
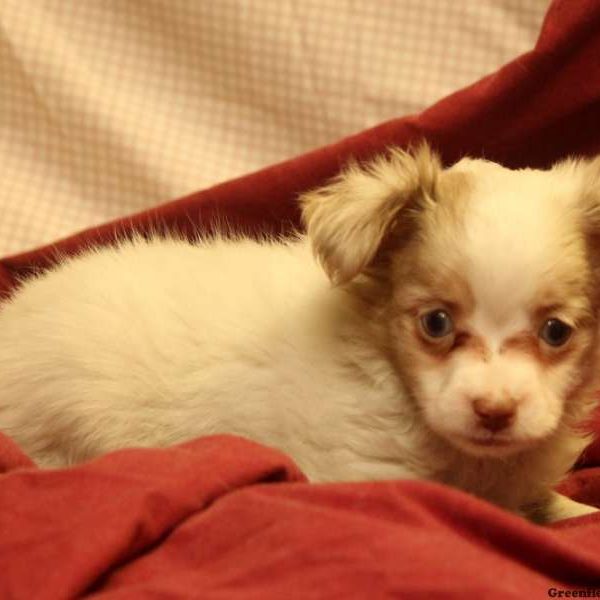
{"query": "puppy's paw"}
(559, 507)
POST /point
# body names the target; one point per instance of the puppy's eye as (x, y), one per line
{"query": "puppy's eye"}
(555, 332)
(437, 323)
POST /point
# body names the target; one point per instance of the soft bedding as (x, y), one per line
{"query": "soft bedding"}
(222, 517)
(108, 108)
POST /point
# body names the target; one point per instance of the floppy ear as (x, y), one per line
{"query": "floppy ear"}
(589, 202)
(584, 173)
(347, 220)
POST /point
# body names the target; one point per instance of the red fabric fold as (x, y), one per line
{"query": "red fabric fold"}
(222, 517)
(62, 532)
(542, 106)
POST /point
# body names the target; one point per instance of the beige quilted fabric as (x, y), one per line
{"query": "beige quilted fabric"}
(108, 107)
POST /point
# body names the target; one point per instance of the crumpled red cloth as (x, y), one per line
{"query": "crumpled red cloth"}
(222, 517)
(225, 518)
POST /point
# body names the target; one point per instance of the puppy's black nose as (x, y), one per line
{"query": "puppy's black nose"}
(494, 417)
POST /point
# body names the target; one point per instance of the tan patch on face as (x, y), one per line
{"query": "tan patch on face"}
(424, 278)
(422, 284)
(452, 190)
(472, 344)
(564, 293)
(460, 341)
(565, 287)
(568, 298)
(529, 343)
(428, 258)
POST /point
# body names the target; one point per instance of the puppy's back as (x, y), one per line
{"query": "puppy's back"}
(115, 347)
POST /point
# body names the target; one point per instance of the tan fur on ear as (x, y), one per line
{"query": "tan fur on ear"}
(347, 219)
(590, 205)
(586, 171)
(591, 193)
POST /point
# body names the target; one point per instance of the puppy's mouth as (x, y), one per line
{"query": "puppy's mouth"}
(489, 445)
(500, 443)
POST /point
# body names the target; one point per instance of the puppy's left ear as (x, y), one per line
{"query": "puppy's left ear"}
(586, 172)
(586, 201)
(590, 172)
(348, 219)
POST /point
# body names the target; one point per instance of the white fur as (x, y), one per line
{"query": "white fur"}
(152, 343)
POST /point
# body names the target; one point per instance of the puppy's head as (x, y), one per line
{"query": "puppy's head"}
(491, 278)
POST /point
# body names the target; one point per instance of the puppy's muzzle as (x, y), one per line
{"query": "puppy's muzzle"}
(492, 416)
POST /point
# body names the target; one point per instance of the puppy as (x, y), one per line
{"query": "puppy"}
(458, 341)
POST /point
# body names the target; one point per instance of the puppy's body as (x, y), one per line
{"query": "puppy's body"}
(152, 343)
(155, 343)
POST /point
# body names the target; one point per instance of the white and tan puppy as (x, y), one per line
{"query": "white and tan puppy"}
(457, 343)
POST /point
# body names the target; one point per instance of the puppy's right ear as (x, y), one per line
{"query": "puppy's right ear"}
(348, 219)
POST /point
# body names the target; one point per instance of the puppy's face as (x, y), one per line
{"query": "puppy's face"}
(492, 315)
(492, 311)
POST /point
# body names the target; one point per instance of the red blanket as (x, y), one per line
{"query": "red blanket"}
(226, 518)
